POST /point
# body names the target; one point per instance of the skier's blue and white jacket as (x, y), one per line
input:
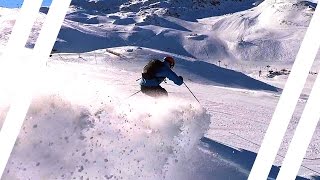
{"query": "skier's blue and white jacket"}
(161, 74)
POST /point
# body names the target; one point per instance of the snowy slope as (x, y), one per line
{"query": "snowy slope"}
(82, 124)
(7, 21)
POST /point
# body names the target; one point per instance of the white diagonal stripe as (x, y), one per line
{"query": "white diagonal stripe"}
(50, 28)
(303, 134)
(308, 121)
(20, 32)
(287, 101)
(17, 41)
(22, 27)
(19, 106)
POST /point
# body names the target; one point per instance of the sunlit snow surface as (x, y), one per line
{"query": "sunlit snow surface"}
(82, 123)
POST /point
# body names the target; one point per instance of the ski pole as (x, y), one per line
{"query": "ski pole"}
(191, 92)
(134, 94)
(138, 79)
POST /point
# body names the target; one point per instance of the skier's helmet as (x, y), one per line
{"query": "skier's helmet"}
(170, 60)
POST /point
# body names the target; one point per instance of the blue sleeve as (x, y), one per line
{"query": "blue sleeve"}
(168, 73)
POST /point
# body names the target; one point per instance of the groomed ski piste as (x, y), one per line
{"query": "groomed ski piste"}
(83, 122)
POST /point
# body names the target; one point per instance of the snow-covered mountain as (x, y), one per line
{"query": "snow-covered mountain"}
(82, 123)
(206, 30)
(176, 8)
(269, 32)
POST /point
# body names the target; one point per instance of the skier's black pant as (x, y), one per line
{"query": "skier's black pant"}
(154, 91)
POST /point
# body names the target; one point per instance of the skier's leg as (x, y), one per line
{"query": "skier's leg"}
(154, 91)
(162, 91)
(149, 91)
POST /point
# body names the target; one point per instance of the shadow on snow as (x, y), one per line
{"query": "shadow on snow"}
(223, 77)
(240, 159)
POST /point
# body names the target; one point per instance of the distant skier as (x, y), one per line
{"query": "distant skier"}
(154, 73)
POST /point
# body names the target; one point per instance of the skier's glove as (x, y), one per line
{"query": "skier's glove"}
(181, 78)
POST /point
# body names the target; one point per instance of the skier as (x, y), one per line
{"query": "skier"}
(154, 73)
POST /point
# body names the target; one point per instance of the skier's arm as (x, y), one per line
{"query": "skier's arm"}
(168, 73)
